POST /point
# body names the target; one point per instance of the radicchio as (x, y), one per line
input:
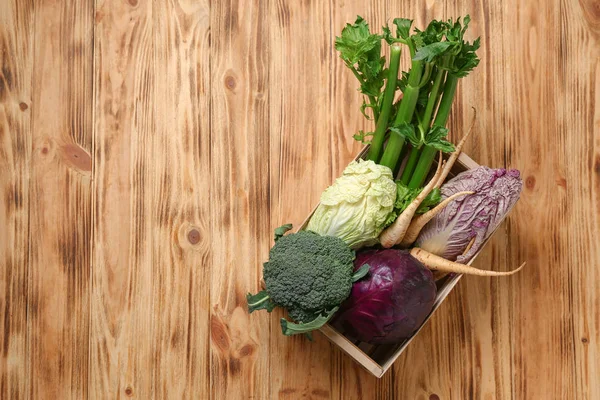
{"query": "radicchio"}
(476, 215)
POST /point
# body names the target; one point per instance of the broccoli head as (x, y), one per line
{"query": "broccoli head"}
(307, 274)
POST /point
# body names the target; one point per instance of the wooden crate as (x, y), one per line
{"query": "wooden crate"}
(377, 359)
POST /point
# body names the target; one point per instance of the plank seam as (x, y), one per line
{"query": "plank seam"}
(93, 187)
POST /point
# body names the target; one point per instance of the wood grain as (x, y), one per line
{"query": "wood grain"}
(124, 289)
(239, 181)
(181, 152)
(300, 123)
(545, 208)
(149, 148)
(16, 55)
(581, 114)
(60, 201)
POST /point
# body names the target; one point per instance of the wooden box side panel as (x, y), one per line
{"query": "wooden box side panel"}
(352, 350)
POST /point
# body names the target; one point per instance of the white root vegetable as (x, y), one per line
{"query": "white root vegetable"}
(438, 263)
(457, 150)
(437, 275)
(419, 222)
(395, 232)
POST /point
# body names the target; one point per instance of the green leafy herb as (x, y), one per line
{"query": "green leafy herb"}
(403, 81)
(464, 57)
(436, 139)
(455, 31)
(361, 51)
(431, 51)
(467, 60)
(406, 195)
(432, 200)
(357, 44)
(403, 27)
(407, 131)
(364, 106)
(387, 35)
(434, 33)
(442, 145)
(362, 136)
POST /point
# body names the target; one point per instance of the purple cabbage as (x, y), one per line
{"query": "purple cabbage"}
(391, 302)
(473, 216)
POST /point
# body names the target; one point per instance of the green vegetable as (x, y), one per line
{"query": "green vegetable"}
(388, 99)
(415, 83)
(428, 154)
(356, 207)
(405, 196)
(309, 275)
(361, 52)
(279, 232)
(289, 328)
(260, 301)
(439, 57)
(459, 59)
(360, 273)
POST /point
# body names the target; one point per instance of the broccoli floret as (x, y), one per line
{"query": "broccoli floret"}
(300, 315)
(309, 275)
(312, 244)
(309, 271)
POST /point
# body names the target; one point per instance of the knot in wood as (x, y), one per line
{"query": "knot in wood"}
(193, 236)
(230, 82)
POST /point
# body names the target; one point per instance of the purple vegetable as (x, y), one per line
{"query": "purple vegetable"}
(392, 301)
(475, 216)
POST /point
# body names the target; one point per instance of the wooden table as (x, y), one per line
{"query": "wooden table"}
(148, 149)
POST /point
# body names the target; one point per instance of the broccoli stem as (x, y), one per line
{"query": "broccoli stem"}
(260, 301)
(289, 328)
(388, 99)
